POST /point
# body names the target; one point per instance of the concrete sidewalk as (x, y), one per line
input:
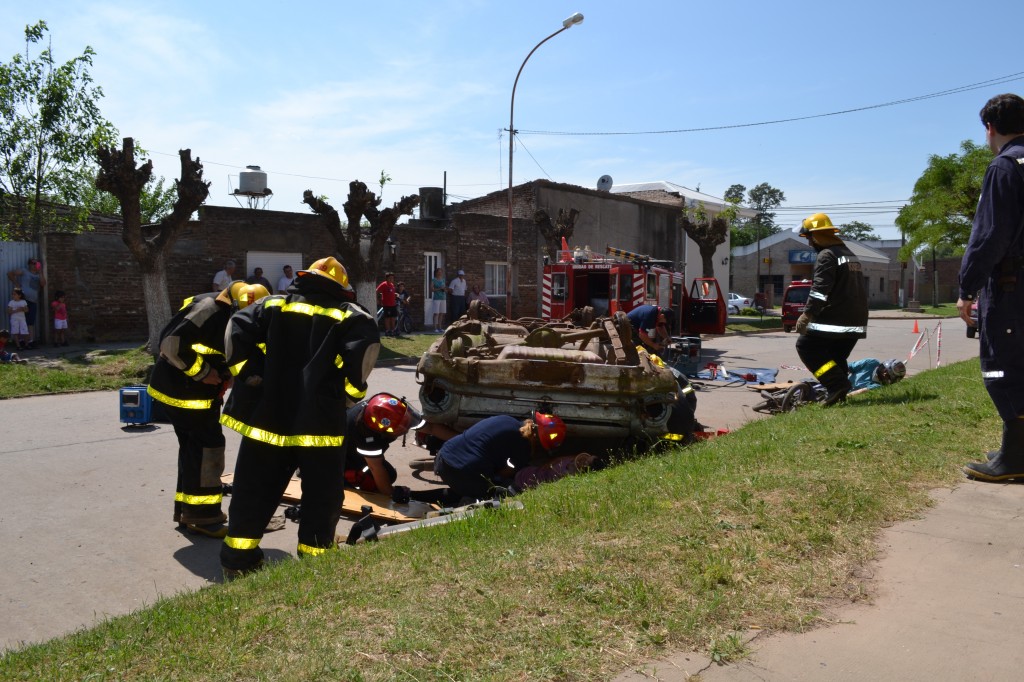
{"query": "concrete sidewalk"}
(946, 603)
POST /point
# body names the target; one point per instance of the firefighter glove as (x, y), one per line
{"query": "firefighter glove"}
(801, 324)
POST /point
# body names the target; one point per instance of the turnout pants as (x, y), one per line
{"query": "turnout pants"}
(198, 493)
(1002, 353)
(827, 357)
(262, 473)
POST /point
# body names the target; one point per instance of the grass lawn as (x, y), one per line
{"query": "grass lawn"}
(104, 370)
(685, 550)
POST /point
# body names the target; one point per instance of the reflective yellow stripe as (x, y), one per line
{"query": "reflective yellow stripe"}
(198, 404)
(672, 436)
(205, 350)
(338, 362)
(262, 347)
(311, 551)
(354, 392)
(277, 439)
(198, 499)
(186, 302)
(196, 366)
(236, 369)
(688, 389)
(306, 308)
(241, 543)
(824, 368)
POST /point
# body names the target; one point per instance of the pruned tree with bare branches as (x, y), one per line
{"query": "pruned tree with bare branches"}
(707, 232)
(553, 233)
(361, 250)
(150, 243)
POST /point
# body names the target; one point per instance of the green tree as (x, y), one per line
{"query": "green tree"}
(764, 199)
(735, 194)
(156, 200)
(857, 231)
(944, 201)
(51, 130)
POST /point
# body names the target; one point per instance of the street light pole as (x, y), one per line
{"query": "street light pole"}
(567, 24)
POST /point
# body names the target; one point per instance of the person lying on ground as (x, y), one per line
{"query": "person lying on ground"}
(870, 373)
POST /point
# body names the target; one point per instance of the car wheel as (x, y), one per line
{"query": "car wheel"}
(787, 328)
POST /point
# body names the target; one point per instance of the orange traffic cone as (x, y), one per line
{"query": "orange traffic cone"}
(916, 330)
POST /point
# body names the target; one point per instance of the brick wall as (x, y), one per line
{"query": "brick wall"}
(949, 280)
(103, 283)
(104, 286)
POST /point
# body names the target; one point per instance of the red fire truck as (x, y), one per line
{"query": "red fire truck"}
(623, 280)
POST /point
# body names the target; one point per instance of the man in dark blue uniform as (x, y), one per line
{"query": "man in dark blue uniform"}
(836, 316)
(650, 327)
(489, 453)
(993, 264)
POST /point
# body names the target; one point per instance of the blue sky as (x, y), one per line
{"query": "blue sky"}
(321, 93)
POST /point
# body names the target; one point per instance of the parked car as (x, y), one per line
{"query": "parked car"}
(794, 301)
(735, 303)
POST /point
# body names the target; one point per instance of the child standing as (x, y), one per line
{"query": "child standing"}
(16, 309)
(60, 319)
(6, 357)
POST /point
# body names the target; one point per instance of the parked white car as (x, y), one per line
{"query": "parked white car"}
(735, 303)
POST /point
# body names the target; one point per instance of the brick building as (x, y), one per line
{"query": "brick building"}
(103, 284)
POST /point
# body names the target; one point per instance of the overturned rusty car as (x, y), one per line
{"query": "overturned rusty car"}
(587, 371)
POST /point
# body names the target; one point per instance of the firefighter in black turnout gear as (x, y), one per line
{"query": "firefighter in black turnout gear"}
(189, 378)
(299, 362)
(837, 309)
(993, 265)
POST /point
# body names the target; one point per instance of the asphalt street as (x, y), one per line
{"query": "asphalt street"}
(86, 527)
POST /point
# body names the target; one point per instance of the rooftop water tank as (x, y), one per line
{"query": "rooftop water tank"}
(252, 181)
(431, 203)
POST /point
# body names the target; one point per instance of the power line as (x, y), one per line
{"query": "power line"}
(319, 177)
(942, 93)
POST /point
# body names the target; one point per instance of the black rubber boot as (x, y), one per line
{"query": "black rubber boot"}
(1008, 463)
(837, 394)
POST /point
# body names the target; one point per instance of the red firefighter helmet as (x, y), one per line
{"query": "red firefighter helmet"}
(393, 416)
(550, 430)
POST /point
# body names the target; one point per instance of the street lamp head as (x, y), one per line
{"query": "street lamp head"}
(573, 20)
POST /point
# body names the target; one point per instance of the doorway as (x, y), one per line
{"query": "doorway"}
(432, 260)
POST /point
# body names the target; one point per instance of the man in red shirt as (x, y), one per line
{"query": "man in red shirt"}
(387, 298)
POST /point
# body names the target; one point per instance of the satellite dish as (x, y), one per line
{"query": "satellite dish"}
(604, 183)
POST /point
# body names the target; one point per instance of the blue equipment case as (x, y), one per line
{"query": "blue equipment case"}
(136, 405)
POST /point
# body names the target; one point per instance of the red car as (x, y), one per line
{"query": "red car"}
(794, 302)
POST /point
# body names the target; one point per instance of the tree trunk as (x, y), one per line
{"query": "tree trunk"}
(366, 294)
(158, 310)
(119, 176)
(707, 258)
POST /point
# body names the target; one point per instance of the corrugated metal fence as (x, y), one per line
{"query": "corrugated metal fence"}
(13, 255)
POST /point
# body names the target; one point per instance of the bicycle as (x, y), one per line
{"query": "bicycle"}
(403, 325)
(790, 398)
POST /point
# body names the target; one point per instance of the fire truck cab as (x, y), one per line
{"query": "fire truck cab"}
(623, 280)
